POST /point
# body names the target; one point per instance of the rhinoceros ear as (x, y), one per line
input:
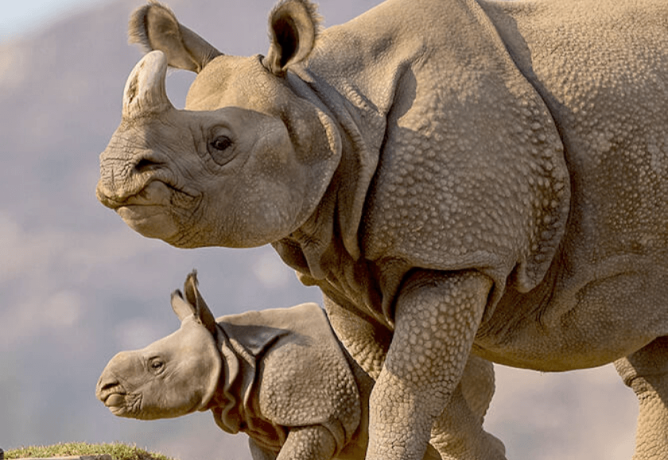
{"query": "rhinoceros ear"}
(180, 306)
(201, 308)
(155, 27)
(293, 28)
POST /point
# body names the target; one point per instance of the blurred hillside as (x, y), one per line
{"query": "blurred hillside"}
(77, 285)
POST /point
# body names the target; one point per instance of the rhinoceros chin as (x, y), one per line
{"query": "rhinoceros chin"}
(158, 210)
(122, 404)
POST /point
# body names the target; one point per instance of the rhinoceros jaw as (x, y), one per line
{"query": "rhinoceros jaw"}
(151, 210)
(152, 221)
(124, 404)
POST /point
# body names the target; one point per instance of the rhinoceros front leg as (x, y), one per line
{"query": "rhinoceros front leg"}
(364, 339)
(304, 443)
(457, 434)
(436, 318)
(368, 343)
(646, 372)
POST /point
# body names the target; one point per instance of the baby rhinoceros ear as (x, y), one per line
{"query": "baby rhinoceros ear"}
(181, 307)
(192, 303)
(193, 297)
(155, 27)
(293, 29)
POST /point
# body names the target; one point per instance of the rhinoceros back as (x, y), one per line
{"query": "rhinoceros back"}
(471, 172)
(303, 375)
(602, 67)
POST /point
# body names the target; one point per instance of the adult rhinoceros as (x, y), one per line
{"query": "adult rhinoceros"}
(457, 176)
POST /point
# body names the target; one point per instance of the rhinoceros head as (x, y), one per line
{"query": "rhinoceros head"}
(173, 376)
(246, 163)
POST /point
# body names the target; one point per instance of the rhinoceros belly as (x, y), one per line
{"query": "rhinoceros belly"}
(588, 318)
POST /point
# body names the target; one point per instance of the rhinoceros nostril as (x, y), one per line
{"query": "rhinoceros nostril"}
(146, 164)
(109, 386)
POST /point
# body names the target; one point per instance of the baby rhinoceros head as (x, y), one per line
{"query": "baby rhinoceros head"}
(171, 377)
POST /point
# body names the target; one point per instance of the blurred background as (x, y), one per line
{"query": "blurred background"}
(77, 285)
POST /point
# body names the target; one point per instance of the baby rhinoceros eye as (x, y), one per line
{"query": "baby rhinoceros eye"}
(220, 150)
(156, 365)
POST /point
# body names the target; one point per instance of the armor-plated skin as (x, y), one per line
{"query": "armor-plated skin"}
(454, 175)
(271, 374)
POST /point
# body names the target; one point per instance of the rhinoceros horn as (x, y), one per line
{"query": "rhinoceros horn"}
(145, 89)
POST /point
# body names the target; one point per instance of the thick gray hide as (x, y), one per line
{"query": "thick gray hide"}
(457, 176)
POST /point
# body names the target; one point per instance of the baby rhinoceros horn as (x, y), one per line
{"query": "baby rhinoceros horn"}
(145, 92)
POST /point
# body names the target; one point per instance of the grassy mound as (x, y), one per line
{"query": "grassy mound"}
(117, 451)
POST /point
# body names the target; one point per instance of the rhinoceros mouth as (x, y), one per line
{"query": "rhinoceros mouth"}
(122, 404)
(114, 399)
(158, 211)
(111, 393)
(153, 192)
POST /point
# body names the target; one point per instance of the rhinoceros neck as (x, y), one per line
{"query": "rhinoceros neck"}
(352, 76)
(361, 74)
(230, 403)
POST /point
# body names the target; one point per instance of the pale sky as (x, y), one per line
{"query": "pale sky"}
(23, 16)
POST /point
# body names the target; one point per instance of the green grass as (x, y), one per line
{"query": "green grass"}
(117, 451)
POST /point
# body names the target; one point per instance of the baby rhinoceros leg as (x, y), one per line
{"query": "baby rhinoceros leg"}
(646, 372)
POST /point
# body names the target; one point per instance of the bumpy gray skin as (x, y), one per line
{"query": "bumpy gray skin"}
(279, 375)
(457, 176)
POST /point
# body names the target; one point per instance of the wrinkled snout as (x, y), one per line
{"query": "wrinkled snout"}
(115, 387)
(125, 161)
(107, 386)
(126, 169)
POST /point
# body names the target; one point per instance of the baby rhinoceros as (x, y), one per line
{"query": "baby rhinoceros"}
(279, 375)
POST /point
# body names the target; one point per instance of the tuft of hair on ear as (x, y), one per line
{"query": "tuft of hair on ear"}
(311, 9)
(192, 276)
(138, 26)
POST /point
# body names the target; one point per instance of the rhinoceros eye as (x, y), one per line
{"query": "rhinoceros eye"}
(221, 143)
(220, 150)
(156, 365)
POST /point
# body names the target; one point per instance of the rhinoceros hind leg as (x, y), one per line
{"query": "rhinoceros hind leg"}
(646, 372)
(458, 435)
